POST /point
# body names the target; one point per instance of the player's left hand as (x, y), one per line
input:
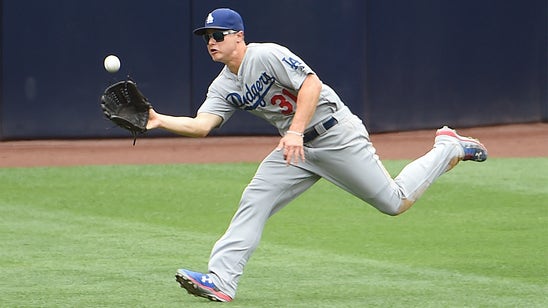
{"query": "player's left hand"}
(126, 106)
(293, 149)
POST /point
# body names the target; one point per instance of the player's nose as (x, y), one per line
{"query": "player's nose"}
(211, 41)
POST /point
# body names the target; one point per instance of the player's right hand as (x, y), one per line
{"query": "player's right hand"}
(293, 149)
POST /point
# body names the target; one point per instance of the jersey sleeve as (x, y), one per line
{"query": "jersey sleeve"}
(288, 69)
(217, 105)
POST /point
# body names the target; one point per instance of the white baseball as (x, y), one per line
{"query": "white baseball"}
(112, 64)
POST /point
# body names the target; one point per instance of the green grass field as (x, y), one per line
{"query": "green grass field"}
(113, 236)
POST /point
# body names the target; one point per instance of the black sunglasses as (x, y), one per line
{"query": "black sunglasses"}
(218, 36)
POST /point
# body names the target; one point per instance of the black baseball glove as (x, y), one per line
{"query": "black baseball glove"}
(126, 106)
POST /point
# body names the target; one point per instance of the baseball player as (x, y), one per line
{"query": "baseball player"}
(320, 138)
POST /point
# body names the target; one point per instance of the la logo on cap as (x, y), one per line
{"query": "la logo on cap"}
(209, 19)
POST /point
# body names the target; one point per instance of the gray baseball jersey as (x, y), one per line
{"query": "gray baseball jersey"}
(266, 85)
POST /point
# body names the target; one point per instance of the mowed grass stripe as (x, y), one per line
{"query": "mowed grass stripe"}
(114, 235)
(121, 254)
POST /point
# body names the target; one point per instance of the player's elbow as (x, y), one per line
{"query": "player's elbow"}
(200, 133)
(196, 131)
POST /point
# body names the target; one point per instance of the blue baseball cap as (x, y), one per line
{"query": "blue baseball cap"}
(222, 19)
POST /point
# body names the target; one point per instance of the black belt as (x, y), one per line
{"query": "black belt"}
(319, 129)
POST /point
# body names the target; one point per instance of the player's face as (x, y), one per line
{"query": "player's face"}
(221, 44)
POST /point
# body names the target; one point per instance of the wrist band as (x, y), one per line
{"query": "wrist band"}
(294, 133)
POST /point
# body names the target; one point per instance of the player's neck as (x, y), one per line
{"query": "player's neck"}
(236, 61)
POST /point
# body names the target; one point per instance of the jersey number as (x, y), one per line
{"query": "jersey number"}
(285, 105)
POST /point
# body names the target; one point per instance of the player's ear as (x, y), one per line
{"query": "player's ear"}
(241, 36)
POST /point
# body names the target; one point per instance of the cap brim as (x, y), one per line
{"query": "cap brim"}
(201, 31)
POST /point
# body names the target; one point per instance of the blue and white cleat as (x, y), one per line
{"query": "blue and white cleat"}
(201, 285)
(473, 149)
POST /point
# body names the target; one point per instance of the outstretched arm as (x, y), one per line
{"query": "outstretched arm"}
(200, 126)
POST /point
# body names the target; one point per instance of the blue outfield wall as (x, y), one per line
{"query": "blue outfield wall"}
(52, 63)
(466, 63)
(399, 64)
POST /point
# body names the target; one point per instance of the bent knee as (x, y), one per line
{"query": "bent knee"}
(400, 208)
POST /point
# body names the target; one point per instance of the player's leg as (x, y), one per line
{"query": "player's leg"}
(273, 186)
(449, 149)
(356, 168)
